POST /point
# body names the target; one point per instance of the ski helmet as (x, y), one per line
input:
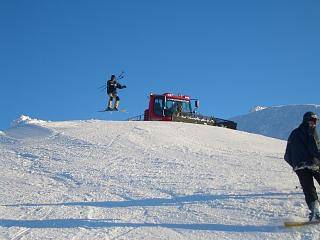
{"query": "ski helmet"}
(113, 77)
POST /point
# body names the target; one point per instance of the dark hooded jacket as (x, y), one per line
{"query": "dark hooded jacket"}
(303, 147)
(113, 85)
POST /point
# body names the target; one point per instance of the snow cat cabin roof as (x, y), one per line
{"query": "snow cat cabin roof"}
(172, 96)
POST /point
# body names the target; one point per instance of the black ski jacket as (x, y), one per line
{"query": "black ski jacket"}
(303, 147)
(113, 85)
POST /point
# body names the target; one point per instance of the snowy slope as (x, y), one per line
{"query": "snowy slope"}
(144, 180)
(275, 122)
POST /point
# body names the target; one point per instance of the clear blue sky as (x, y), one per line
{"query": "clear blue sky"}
(230, 54)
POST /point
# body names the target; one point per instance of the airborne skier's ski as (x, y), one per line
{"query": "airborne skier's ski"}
(113, 110)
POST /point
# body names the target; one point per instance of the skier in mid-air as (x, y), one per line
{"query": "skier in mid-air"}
(302, 153)
(112, 86)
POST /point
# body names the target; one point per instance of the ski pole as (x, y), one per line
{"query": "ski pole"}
(103, 86)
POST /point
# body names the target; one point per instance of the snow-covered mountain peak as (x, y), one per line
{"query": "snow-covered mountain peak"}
(276, 121)
(257, 108)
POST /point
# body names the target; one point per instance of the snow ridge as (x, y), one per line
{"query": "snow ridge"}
(23, 120)
(26, 127)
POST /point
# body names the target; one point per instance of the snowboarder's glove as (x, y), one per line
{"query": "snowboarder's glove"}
(124, 86)
(316, 161)
(314, 167)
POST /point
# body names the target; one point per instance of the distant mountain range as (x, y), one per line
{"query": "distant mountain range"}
(276, 122)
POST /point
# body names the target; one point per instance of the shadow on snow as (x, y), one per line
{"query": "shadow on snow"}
(107, 223)
(90, 223)
(151, 202)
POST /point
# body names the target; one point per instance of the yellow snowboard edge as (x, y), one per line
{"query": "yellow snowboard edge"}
(296, 224)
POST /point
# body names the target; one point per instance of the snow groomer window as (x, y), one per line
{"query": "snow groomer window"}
(158, 106)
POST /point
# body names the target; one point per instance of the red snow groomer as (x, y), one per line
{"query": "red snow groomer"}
(178, 108)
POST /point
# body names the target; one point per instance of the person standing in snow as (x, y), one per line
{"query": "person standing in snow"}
(302, 153)
(112, 86)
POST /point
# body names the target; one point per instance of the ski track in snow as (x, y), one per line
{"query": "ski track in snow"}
(145, 180)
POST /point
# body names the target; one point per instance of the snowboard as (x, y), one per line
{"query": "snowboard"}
(298, 222)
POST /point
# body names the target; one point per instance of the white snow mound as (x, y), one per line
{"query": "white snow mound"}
(23, 119)
(25, 127)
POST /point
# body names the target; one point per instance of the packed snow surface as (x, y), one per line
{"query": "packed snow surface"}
(144, 180)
